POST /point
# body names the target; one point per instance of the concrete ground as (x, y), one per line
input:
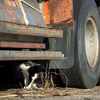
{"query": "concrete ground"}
(51, 94)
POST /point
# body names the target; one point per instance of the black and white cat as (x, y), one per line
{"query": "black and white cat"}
(33, 75)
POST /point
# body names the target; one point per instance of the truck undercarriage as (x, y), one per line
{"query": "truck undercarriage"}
(61, 33)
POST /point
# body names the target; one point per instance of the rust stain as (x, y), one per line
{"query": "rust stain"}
(23, 19)
(28, 55)
(4, 44)
(30, 58)
(10, 3)
(29, 30)
(58, 11)
(16, 3)
(12, 13)
(2, 11)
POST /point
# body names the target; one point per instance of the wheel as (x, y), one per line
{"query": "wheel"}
(86, 69)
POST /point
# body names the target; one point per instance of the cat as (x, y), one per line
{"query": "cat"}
(33, 75)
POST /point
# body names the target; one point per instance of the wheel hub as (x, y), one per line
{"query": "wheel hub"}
(91, 42)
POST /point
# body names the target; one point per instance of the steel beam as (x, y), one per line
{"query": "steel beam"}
(4, 44)
(29, 30)
(29, 55)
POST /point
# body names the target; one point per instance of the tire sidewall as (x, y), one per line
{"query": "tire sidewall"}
(89, 76)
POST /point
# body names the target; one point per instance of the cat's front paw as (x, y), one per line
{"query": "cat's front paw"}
(24, 87)
(28, 87)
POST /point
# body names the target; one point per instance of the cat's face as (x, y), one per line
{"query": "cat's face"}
(22, 66)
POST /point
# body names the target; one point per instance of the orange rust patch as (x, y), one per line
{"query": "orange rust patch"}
(58, 11)
(16, 3)
(12, 13)
(10, 3)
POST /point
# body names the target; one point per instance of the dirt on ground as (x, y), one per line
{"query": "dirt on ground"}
(13, 90)
(71, 93)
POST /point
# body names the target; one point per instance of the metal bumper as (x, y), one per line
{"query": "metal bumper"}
(13, 49)
(29, 30)
(4, 44)
(29, 55)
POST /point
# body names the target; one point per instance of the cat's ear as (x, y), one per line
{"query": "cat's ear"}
(33, 64)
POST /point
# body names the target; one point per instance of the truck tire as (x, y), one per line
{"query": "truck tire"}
(86, 69)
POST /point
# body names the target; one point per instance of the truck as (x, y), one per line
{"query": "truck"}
(60, 34)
